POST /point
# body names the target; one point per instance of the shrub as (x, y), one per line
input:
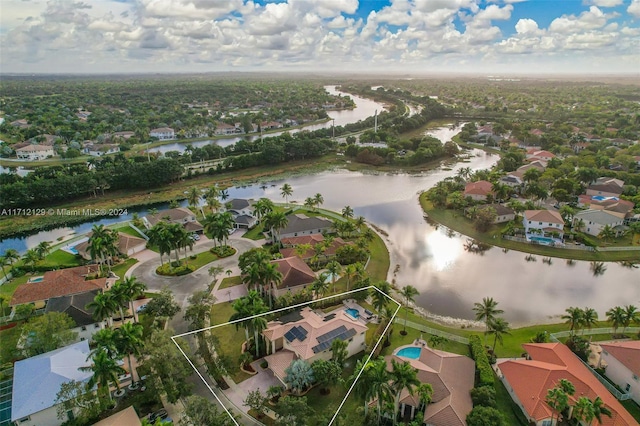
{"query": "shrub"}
(483, 368)
(174, 271)
(484, 396)
(223, 251)
(481, 416)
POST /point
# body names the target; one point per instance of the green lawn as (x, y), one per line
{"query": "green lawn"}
(456, 221)
(507, 407)
(255, 233)
(121, 268)
(632, 408)
(128, 230)
(397, 339)
(230, 338)
(9, 288)
(61, 258)
(230, 282)
(379, 264)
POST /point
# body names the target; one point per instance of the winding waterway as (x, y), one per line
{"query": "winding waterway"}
(449, 277)
(364, 108)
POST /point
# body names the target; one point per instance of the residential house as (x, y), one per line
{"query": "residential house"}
(451, 376)
(296, 275)
(529, 380)
(621, 361)
(307, 334)
(63, 282)
(547, 221)
(180, 215)
(35, 152)
(606, 187)
(301, 224)
(512, 180)
(539, 155)
(478, 191)
(242, 212)
(128, 245)
(126, 417)
(612, 205)
(290, 244)
(537, 164)
(163, 133)
(37, 381)
(126, 135)
(224, 129)
(75, 306)
(98, 150)
(503, 214)
(594, 221)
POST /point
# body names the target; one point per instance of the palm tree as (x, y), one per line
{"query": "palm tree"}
(557, 400)
(43, 249)
(574, 318)
(320, 286)
(105, 340)
(631, 315)
(129, 342)
(379, 383)
(102, 244)
(589, 318)
(403, 376)
(309, 202)
(258, 324)
(409, 293)
(583, 410)
(286, 191)
(11, 255)
(105, 372)
(4, 262)
(30, 258)
(103, 306)
(498, 327)
(347, 212)
(599, 409)
(363, 386)
(119, 296)
(132, 289)
(193, 197)
(607, 233)
(270, 277)
(334, 269)
(350, 272)
(318, 199)
(262, 207)
(380, 296)
(487, 311)
(160, 237)
(275, 221)
(425, 393)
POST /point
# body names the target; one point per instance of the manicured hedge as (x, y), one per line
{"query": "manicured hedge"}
(483, 368)
(176, 271)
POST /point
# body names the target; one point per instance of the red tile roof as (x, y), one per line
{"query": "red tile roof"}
(549, 363)
(329, 251)
(294, 272)
(481, 187)
(627, 353)
(63, 282)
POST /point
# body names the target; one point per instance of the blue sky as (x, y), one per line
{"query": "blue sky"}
(392, 36)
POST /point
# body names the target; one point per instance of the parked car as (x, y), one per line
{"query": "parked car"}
(141, 308)
(160, 414)
(195, 237)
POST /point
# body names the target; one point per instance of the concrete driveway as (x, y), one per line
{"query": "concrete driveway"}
(183, 287)
(262, 381)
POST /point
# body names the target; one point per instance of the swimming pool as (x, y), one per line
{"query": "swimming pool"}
(412, 352)
(353, 313)
(36, 279)
(543, 240)
(73, 250)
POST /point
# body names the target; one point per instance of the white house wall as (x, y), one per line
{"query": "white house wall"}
(621, 375)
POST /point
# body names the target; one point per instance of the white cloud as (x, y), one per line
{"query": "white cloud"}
(527, 26)
(605, 3)
(634, 8)
(591, 19)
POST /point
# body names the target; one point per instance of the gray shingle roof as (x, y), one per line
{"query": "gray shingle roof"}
(37, 380)
(74, 306)
(300, 223)
(598, 216)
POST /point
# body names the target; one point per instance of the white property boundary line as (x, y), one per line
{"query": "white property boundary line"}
(173, 338)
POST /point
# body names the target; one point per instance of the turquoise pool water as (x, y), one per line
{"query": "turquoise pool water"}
(36, 279)
(543, 240)
(412, 352)
(353, 313)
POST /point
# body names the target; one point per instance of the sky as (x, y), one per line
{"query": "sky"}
(405, 37)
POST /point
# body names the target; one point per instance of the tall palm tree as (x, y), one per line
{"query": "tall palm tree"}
(119, 296)
(498, 327)
(557, 400)
(403, 376)
(320, 286)
(275, 221)
(379, 382)
(193, 198)
(43, 249)
(616, 316)
(102, 245)
(12, 255)
(487, 311)
(30, 258)
(409, 293)
(574, 317)
(318, 200)
(105, 372)
(599, 409)
(583, 410)
(380, 296)
(334, 269)
(262, 207)
(270, 277)
(129, 342)
(425, 393)
(350, 273)
(286, 191)
(258, 324)
(132, 288)
(347, 212)
(4, 262)
(105, 340)
(103, 306)
(607, 233)
(363, 386)
(631, 316)
(589, 318)
(160, 237)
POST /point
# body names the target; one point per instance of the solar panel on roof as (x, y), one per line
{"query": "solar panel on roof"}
(329, 317)
(289, 336)
(331, 334)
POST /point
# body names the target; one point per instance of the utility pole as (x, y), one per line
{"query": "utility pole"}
(375, 125)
